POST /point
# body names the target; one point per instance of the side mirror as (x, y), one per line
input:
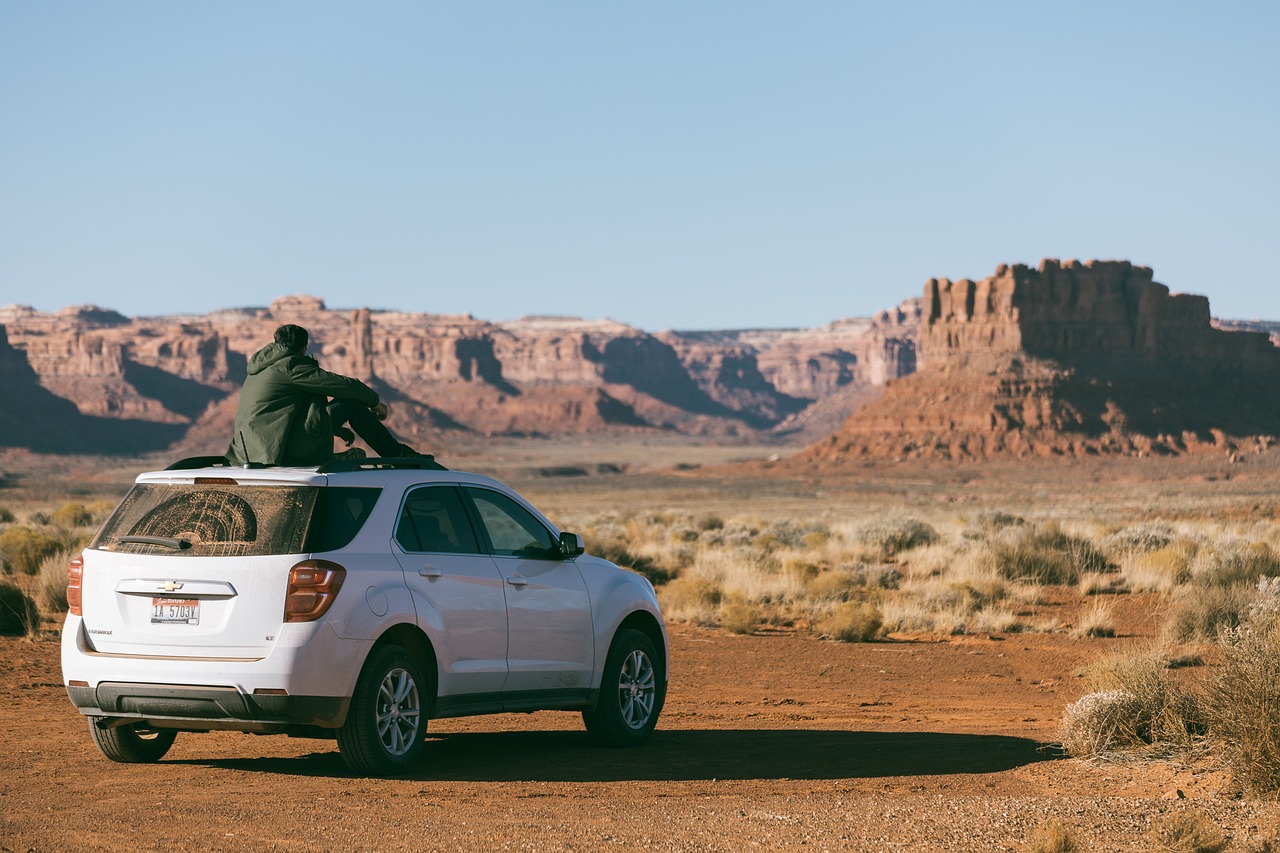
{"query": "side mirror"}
(571, 545)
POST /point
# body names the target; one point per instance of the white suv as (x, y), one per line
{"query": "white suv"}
(354, 600)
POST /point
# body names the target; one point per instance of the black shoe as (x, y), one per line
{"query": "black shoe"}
(353, 453)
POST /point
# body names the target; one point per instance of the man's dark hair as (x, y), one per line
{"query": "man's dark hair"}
(293, 338)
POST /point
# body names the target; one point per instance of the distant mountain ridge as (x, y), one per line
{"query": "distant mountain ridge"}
(90, 379)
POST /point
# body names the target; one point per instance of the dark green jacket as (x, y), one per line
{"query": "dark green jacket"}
(283, 415)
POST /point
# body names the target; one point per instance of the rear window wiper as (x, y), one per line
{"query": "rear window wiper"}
(175, 544)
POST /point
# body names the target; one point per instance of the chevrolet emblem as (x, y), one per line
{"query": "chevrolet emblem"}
(171, 586)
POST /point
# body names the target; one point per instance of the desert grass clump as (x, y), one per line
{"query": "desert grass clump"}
(836, 585)
(892, 538)
(18, 613)
(1052, 837)
(1161, 569)
(1188, 832)
(1140, 538)
(851, 622)
(24, 548)
(1234, 564)
(691, 598)
(1097, 621)
(1202, 613)
(72, 515)
(1241, 699)
(1046, 554)
(1136, 708)
(739, 616)
(51, 582)
(634, 546)
(6, 515)
(999, 521)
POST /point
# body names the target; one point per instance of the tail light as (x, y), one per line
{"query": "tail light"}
(313, 585)
(75, 585)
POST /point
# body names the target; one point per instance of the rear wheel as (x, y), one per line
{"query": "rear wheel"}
(133, 743)
(387, 722)
(631, 693)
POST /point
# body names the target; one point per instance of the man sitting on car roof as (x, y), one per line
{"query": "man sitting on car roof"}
(285, 416)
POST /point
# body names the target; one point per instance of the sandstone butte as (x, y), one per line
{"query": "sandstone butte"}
(1069, 359)
(88, 379)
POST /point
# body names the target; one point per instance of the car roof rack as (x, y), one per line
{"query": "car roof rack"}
(425, 462)
(199, 462)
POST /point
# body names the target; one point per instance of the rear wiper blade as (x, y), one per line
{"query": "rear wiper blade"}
(175, 544)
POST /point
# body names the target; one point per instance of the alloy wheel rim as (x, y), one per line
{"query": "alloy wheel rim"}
(398, 712)
(637, 690)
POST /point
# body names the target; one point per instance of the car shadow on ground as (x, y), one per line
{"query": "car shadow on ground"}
(688, 755)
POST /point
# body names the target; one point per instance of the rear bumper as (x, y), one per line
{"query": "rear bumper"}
(305, 680)
(169, 705)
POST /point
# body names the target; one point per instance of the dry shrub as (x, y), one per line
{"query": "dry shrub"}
(1053, 837)
(1201, 613)
(852, 622)
(709, 522)
(836, 585)
(1136, 708)
(1095, 622)
(618, 545)
(1101, 723)
(18, 613)
(1238, 563)
(893, 538)
(72, 515)
(1161, 569)
(994, 620)
(999, 521)
(690, 598)
(1140, 538)
(739, 616)
(6, 515)
(25, 547)
(1047, 555)
(51, 582)
(1241, 700)
(1188, 832)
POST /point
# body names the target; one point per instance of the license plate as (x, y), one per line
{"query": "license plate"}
(179, 611)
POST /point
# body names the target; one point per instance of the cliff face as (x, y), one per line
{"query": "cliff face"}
(1079, 309)
(1069, 358)
(451, 373)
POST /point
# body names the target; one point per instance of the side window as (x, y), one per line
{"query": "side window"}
(513, 530)
(434, 520)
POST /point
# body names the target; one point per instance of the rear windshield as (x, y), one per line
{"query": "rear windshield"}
(199, 520)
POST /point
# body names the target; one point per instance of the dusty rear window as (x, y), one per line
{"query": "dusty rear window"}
(233, 521)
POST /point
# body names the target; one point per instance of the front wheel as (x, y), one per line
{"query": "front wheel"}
(631, 692)
(133, 743)
(386, 725)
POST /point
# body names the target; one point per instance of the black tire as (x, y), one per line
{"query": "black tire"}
(386, 725)
(133, 743)
(631, 692)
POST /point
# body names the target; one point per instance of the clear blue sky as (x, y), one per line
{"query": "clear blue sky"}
(667, 164)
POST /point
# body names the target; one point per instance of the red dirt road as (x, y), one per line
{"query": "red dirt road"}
(767, 742)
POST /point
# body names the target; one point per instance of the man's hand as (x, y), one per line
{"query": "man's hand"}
(380, 410)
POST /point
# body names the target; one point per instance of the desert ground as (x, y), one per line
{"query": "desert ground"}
(771, 739)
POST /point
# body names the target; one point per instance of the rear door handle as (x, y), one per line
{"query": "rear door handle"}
(516, 580)
(430, 572)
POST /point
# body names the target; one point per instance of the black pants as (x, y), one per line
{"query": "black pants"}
(367, 426)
